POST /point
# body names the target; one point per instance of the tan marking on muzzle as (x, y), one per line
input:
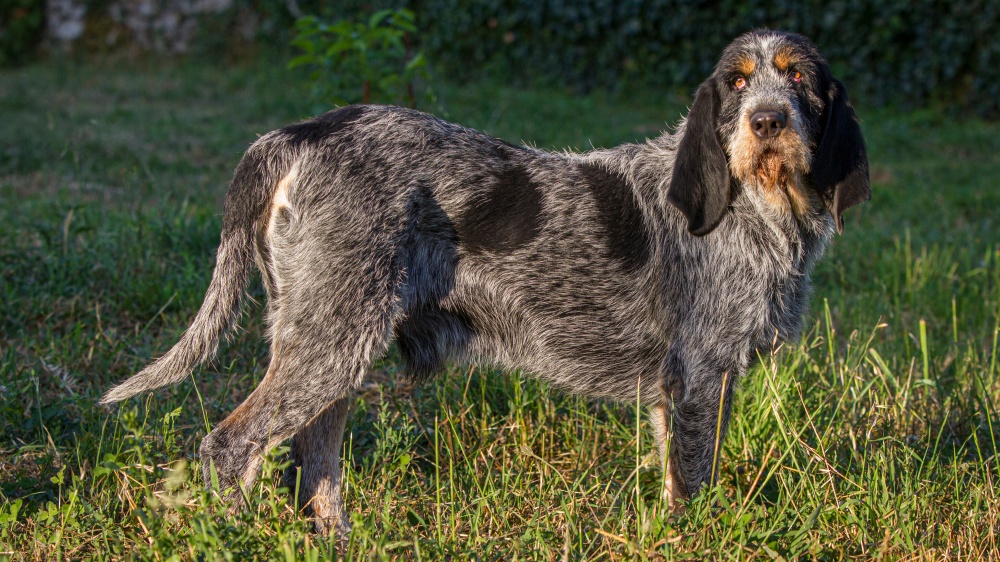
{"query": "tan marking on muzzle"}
(743, 152)
(789, 194)
(776, 168)
(801, 199)
(771, 168)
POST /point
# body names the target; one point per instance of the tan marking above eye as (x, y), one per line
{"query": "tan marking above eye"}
(746, 66)
(784, 59)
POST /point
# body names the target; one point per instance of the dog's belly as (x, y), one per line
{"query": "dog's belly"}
(578, 334)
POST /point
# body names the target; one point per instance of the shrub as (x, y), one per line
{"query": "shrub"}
(360, 61)
(905, 51)
(21, 24)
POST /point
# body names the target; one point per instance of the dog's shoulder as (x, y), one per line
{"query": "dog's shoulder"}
(620, 211)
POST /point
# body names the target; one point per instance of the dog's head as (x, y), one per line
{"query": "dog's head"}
(771, 118)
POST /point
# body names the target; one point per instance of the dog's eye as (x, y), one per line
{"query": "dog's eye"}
(796, 77)
(739, 82)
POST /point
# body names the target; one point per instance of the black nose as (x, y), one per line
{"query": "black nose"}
(767, 124)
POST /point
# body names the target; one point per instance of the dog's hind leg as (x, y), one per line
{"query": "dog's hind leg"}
(332, 254)
(315, 362)
(316, 452)
(272, 413)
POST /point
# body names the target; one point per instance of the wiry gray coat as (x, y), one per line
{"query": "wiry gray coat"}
(666, 266)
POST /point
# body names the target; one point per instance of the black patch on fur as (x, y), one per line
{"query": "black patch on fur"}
(503, 217)
(700, 185)
(427, 337)
(840, 166)
(430, 253)
(619, 214)
(319, 128)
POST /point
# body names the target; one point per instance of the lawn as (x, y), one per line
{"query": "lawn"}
(874, 436)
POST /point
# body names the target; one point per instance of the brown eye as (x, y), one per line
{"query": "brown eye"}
(739, 82)
(796, 77)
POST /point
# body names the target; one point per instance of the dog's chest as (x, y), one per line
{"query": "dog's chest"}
(756, 281)
(787, 292)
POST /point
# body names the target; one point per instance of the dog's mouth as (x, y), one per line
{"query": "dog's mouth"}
(779, 175)
(771, 169)
(772, 164)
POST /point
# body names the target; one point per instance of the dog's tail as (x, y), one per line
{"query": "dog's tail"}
(247, 200)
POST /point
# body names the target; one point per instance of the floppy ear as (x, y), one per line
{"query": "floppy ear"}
(699, 186)
(840, 165)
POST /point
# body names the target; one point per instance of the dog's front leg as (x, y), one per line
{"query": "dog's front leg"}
(673, 490)
(698, 422)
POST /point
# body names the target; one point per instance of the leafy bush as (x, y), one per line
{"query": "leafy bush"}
(360, 61)
(21, 23)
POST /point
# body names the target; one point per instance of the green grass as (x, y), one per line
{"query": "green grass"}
(875, 436)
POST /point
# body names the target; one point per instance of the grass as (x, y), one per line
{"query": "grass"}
(873, 437)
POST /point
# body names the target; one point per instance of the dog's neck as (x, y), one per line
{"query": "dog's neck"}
(786, 200)
(789, 203)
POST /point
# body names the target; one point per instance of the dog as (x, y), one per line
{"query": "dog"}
(664, 268)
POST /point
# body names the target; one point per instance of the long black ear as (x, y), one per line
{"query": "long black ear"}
(699, 186)
(840, 166)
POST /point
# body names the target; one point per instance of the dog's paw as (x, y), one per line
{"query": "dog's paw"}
(676, 508)
(337, 526)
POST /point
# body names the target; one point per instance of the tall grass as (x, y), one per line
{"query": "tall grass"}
(874, 436)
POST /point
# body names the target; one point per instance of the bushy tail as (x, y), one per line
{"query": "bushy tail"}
(247, 196)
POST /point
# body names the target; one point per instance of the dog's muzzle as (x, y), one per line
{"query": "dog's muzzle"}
(767, 124)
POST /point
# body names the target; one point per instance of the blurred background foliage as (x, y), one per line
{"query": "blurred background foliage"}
(362, 61)
(21, 26)
(905, 52)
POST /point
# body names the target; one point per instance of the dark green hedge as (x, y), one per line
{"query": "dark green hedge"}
(905, 51)
(910, 52)
(21, 24)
